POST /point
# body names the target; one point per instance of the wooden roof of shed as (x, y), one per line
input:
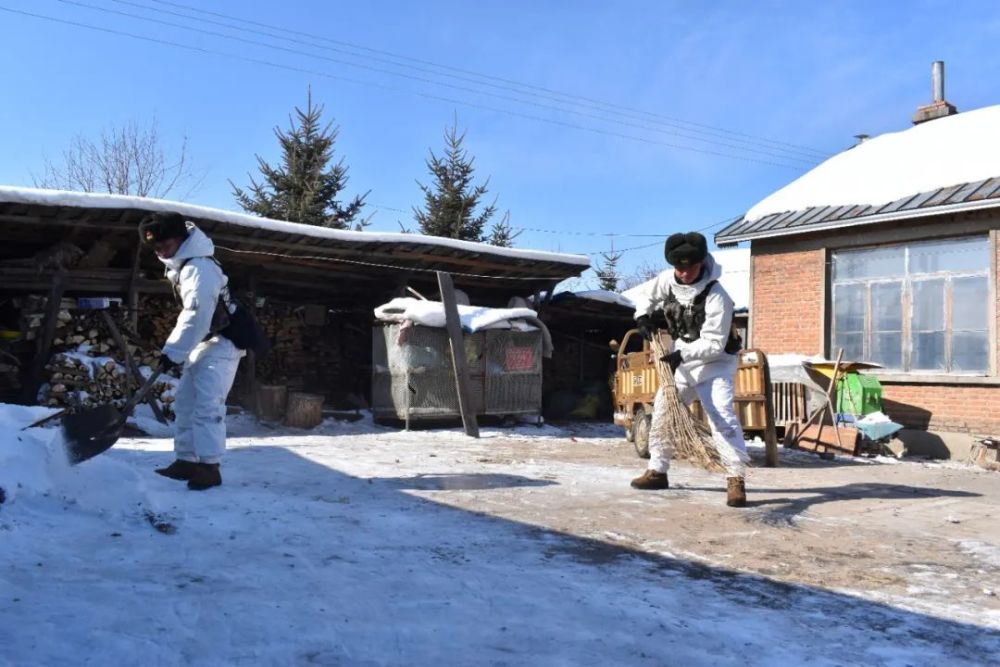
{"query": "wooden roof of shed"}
(298, 256)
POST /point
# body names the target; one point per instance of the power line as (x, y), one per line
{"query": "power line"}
(794, 151)
(518, 100)
(336, 77)
(563, 232)
(487, 78)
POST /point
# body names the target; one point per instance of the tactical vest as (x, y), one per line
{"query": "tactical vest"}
(684, 322)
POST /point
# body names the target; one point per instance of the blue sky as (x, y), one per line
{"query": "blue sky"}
(808, 74)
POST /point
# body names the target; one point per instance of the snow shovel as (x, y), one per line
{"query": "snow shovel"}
(91, 432)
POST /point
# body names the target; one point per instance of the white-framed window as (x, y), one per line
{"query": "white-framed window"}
(916, 307)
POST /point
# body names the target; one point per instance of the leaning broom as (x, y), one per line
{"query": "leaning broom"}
(692, 440)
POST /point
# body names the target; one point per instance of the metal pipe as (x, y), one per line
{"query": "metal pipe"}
(937, 80)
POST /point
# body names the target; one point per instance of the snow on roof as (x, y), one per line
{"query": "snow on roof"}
(735, 278)
(12, 194)
(603, 296)
(963, 148)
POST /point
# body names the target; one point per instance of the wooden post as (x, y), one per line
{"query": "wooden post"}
(131, 367)
(454, 326)
(251, 357)
(29, 393)
(133, 291)
(770, 433)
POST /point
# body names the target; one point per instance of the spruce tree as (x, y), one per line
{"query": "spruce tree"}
(304, 187)
(450, 202)
(607, 272)
(502, 234)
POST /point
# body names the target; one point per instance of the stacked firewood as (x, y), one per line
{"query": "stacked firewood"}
(79, 381)
(157, 317)
(87, 367)
(303, 356)
(284, 329)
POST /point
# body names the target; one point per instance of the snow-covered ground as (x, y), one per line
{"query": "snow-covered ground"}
(341, 546)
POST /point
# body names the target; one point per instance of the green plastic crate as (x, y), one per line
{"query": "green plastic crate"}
(859, 395)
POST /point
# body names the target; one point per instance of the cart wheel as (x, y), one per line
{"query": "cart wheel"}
(640, 433)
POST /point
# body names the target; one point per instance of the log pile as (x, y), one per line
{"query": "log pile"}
(332, 359)
(76, 381)
(87, 368)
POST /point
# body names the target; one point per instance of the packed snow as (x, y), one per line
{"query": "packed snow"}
(21, 195)
(735, 263)
(963, 148)
(339, 546)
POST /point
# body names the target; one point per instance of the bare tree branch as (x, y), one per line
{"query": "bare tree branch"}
(130, 159)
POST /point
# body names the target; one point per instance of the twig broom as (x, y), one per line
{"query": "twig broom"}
(692, 440)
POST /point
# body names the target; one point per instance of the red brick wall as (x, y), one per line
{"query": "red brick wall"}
(788, 317)
(966, 409)
(788, 302)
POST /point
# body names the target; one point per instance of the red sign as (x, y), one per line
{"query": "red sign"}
(520, 359)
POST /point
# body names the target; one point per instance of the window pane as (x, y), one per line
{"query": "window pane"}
(969, 303)
(887, 350)
(849, 308)
(958, 255)
(852, 344)
(969, 351)
(928, 305)
(887, 307)
(928, 352)
(874, 263)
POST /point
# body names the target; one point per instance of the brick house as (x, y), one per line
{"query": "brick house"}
(889, 251)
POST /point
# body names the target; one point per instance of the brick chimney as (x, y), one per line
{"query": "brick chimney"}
(939, 108)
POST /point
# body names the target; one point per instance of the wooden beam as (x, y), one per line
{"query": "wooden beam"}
(251, 357)
(29, 393)
(454, 326)
(133, 289)
(770, 433)
(131, 366)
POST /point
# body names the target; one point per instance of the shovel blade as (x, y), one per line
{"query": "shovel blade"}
(91, 432)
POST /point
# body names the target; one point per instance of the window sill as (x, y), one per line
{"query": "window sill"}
(918, 378)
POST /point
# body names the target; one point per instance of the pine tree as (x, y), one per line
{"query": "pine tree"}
(304, 188)
(450, 203)
(607, 272)
(502, 234)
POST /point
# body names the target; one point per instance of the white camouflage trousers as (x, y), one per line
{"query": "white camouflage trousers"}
(200, 401)
(716, 396)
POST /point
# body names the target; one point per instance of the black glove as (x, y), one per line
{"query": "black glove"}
(167, 364)
(673, 359)
(645, 327)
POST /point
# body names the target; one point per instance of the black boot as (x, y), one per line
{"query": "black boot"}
(179, 469)
(205, 476)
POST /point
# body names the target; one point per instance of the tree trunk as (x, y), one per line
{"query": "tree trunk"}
(272, 399)
(304, 410)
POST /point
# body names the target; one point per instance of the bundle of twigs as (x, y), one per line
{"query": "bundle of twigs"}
(673, 422)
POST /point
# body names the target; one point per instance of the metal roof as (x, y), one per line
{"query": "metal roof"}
(951, 199)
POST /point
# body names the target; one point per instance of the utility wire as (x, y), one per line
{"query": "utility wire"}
(519, 88)
(487, 78)
(517, 100)
(336, 77)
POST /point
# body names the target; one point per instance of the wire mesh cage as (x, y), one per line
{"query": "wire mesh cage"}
(413, 376)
